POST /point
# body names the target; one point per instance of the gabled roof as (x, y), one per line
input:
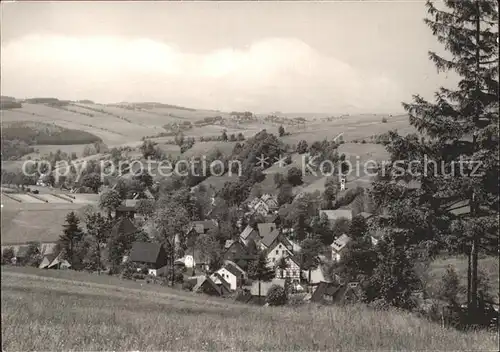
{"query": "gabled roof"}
(325, 289)
(459, 208)
(123, 227)
(246, 232)
(207, 281)
(272, 218)
(266, 228)
(218, 279)
(270, 199)
(260, 203)
(280, 239)
(293, 258)
(340, 242)
(229, 243)
(337, 214)
(199, 257)
(47, 260)
(59, 260)
(145, 252)
(233, 268)
(269, 239)
(317, 275)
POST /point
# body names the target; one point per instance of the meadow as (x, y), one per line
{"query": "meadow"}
(63, 310)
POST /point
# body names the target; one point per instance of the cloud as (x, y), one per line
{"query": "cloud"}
(273, 74)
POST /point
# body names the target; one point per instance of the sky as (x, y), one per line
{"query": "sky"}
(325, 57)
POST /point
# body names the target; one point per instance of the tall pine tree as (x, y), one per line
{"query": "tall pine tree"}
(71, 238)
(456, 199)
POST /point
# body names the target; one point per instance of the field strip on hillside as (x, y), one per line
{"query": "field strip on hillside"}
(73, 122)
(113, 288)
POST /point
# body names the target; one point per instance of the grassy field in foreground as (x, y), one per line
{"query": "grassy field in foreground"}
(55, 311)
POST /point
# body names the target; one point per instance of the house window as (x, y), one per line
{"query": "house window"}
(277, 251)
(274, 259)
(279, 246)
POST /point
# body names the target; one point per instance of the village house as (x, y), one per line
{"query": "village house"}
(279, 247)
(292, 269)
(47, 260)
(232, 274)
(329, 293)
(200, 227)
(234, 249)
(249, 233)
(269, 232)
(338, 247)
(207, 286)
(127, 209)
(263, 205)
(317, 275)
(261, 208)
(224, 286)
(153, 255)
(193, 258)
(54, 261)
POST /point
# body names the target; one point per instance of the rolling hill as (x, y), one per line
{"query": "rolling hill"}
(106, 313)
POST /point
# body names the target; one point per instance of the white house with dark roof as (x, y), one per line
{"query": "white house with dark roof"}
(279, 249)
(338, 247)
(232, 274)
(153, 255)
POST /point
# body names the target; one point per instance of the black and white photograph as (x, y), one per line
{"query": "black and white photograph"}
(250, 175)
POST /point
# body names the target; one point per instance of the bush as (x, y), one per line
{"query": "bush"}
(276, 296)
(188, 285)
(7, 255)
(384, 120)
(138, 276)
(379, 304)
(178, 276)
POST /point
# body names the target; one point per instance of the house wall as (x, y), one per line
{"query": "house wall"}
(292, 271)
(337, 256)
(229, 277)
(276, 253)
(189, 261)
